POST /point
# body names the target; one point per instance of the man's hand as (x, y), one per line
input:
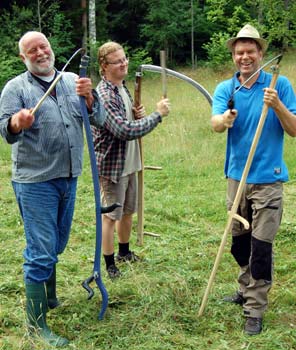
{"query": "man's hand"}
(21, 120)
(271, 98)
(84, 88)
(221, 122)
(228, 118)
(139, 112)
(286, 118)
(163, 107)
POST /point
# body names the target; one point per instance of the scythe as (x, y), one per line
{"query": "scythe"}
(163, 71)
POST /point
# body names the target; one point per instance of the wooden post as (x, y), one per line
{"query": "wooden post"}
(163, 73)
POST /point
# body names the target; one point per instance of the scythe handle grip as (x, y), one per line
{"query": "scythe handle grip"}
(86, 286)
(138, 86)
(83, 66)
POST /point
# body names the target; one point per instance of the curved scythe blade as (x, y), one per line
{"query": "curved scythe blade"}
(157, 69)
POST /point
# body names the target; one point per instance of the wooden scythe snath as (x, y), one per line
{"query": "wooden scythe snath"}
(140, 214)
(141, 199)
(140, 228)
(137, 97)
(232, 214)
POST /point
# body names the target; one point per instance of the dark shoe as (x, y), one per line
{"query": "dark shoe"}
(237, 298)
(113, 272)
(130, 256)
(253, 325)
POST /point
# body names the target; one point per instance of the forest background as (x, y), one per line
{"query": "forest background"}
(193, 33)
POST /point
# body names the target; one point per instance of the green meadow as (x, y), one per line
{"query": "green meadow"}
(154, 305)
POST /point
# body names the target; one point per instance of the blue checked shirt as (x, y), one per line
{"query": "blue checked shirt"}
(110, 140)
(53, 146)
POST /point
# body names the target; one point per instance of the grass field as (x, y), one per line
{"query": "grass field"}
(154, 305)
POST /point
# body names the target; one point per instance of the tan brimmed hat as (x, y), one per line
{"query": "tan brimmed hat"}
(248, 32)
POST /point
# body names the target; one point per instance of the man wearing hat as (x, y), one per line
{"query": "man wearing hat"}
(261, 202)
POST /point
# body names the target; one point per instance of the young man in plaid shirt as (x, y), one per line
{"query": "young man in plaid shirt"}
(117, 152)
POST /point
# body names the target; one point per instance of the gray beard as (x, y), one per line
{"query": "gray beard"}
(35, 68)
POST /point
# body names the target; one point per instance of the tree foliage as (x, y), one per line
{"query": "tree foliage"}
(280, 20)
(145, 26)
(124, 21)
(11, 30)
(18, 20)
(275, 20)
(166, 27)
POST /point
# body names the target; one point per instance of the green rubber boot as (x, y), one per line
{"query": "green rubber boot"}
(36, 307)
(52, 300)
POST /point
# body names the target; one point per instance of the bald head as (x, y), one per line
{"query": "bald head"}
(36, 53)
(29, 36)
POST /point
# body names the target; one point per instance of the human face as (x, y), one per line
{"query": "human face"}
(37, 54)
(247, 57)
(116, 66)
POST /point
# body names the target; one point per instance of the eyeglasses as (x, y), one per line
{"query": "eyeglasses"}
(118, 62)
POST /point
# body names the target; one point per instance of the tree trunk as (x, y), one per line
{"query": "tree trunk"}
(84, 23)
(260, 12)
(92, 22)
(192, 36)
(92, 37)
(39, 16)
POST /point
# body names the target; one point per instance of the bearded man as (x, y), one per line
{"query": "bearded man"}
(47, 150)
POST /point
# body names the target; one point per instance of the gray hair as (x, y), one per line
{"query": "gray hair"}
(24, 37)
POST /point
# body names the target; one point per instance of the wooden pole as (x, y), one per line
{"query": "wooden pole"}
(53, 84)
(163, 73)
(137, 98)
(140, 227)
(233, 212)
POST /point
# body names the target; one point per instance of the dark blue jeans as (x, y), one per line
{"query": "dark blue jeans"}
(47, 210)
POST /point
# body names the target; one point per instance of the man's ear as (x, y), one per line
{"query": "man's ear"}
(22, 56)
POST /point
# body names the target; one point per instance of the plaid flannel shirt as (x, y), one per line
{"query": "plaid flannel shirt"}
(110, 139)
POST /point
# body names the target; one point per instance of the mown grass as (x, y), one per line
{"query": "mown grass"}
(155, 304)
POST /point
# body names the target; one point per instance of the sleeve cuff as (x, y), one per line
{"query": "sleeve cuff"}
(98, 113)
(11, 137)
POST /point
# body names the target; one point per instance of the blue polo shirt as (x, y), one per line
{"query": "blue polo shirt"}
(268, 165)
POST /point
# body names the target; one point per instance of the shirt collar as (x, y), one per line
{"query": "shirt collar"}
(260, 79)
(111, 85)
(31, 76)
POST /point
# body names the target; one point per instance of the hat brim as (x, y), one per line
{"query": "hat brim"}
(262, 42)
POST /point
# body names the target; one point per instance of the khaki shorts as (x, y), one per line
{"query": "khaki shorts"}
(123, 192)
(261, 205)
